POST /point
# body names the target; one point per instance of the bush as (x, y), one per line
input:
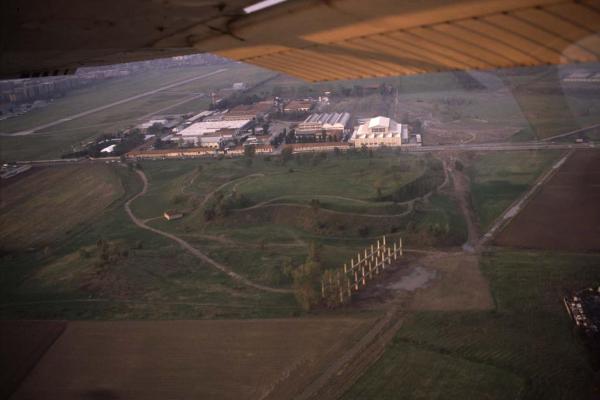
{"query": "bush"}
(209, 213)
(179, 199)
(363, 231)
(306, 280)
(83, 253)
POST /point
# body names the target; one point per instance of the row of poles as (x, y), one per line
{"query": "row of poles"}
(338, 285)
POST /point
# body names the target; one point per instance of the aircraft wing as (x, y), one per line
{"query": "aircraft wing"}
(315, 40)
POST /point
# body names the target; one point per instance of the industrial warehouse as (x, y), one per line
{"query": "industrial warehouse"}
(323, 127)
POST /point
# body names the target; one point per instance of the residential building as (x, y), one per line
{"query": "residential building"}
(172, 153)
(379, 131)
(322, 146)
(258, 149)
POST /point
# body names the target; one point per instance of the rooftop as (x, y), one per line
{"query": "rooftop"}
(330, 118)
(381, 122)
(208, 127)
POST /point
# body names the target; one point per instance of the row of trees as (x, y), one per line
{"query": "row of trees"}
(235, 99)
(307, 279)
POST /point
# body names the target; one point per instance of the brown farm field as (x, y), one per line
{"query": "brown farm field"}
(22, 344)
(565, 213)
(219, 359)
(47, 203)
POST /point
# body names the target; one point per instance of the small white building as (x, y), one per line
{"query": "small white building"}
(379, 131)
(108, 149)
(172, 214)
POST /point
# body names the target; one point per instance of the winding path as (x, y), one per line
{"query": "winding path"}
(326, 210)
(237, 180)
(195, 252)
(409, 203)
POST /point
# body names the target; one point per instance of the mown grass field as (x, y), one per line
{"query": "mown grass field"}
(499, 178)
(524, 348)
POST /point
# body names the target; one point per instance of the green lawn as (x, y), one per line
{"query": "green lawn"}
(523, 349)
(356, 178)
(499, 178)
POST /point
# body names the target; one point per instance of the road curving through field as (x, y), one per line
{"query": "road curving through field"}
(195, 252)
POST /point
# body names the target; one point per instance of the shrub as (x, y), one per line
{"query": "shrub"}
(363, 231)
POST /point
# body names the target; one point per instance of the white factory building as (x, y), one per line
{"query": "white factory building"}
(212, 133)
(380, 131)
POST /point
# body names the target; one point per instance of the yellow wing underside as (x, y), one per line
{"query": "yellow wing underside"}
(340, 39)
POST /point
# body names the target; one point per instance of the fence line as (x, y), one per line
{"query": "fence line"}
(338, 285)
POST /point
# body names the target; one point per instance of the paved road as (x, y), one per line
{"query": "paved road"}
(501, 147)
(197, 253)
(581, 130)
(113, 104)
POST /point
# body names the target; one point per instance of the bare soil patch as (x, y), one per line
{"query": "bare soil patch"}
(565, 213)
(227, 359)
(444, 281)
(459, 285)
